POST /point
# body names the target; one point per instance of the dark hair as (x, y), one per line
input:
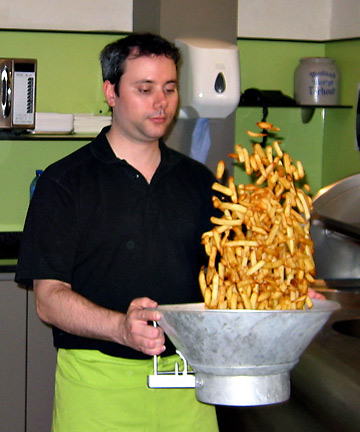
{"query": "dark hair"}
(114, 55)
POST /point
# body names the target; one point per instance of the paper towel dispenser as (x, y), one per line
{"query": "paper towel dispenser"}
(209, 78)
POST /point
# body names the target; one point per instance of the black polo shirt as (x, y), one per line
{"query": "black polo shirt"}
(95, 223)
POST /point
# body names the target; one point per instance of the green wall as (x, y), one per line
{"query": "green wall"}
(302, 141)
(271, 64)
(341, 156)
(326, 144)
(69, 81)
(69, 74)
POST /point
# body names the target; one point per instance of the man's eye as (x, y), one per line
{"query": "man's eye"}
(170, 89)
(144, 89)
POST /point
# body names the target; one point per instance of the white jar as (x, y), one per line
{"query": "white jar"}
(317, 82)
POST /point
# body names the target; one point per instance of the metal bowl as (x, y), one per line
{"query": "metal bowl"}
(253, 350)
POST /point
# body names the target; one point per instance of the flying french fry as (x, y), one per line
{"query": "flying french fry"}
(260, 250)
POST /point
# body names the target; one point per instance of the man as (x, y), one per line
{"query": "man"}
(113, 229)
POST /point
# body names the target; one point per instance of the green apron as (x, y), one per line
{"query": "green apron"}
(95, 392)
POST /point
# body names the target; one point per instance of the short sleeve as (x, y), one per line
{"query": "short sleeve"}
(50, 236)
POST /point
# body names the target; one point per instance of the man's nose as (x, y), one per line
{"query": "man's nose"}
(160, 100)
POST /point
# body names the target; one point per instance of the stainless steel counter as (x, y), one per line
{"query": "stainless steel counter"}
(328, 374)
(325, 384)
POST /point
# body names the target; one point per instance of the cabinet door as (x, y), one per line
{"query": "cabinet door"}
(68, 16)
(12, 356)
(41, 361)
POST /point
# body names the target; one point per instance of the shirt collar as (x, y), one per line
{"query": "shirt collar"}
(102, 150)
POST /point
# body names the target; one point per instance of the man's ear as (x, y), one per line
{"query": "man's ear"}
(109, 92)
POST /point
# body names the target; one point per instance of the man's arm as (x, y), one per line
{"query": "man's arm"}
(59, 305)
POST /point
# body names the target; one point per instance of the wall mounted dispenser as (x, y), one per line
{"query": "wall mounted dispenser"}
(209, 78)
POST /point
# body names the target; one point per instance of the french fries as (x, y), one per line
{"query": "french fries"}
(260, 250)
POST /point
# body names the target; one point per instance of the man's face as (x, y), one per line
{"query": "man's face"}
(147, 100)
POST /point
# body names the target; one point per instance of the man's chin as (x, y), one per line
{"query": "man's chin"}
(157, 133)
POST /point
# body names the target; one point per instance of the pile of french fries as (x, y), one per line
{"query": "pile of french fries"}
(260, 250)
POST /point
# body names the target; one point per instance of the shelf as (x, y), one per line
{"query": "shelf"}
(29, 136)
(296, 106)
(324, 106)
(307, 111)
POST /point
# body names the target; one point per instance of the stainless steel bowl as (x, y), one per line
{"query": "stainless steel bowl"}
(242, 357)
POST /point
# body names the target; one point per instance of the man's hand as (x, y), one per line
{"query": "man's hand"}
(137, 333)
(316, 295)
(59, 305)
